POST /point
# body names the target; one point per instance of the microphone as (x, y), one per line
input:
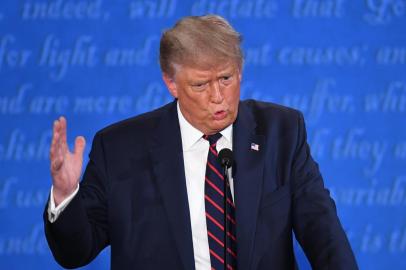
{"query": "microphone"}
(226, 157)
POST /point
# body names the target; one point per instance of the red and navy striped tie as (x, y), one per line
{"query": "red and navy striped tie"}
(214, 203)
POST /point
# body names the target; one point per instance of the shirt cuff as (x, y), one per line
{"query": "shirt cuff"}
(55, 211)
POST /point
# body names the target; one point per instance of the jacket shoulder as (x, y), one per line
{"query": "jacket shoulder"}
(268, 113)
(136, 126)
(143, 122)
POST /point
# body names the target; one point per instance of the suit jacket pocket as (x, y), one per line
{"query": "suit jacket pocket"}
(275, 196)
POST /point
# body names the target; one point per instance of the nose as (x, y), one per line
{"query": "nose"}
(216, 95)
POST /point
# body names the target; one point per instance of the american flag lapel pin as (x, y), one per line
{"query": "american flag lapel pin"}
(254, 147)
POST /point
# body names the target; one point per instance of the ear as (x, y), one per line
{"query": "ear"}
(170, 84)
(239, 74)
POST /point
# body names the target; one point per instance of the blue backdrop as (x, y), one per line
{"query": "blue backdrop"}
(342, 63)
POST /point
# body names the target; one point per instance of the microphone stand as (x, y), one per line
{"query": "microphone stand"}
(226, 160)
(226, 182)
(225, 174)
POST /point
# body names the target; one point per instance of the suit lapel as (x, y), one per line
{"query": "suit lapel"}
(167, 158)
(248, 177)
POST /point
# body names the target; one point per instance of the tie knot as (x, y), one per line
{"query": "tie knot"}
(212, 138)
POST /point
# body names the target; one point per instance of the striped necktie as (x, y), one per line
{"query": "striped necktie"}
(214, 203)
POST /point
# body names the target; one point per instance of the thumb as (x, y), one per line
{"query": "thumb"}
(80, 144)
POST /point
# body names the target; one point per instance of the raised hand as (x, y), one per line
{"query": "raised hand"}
(66, 166)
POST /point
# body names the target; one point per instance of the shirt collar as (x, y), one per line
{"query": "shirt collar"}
(191, 135)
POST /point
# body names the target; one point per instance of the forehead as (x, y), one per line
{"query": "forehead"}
(204, 71)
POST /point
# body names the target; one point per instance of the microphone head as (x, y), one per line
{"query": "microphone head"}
(226, 157)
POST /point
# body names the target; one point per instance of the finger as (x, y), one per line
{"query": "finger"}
(80, 144)
(55, 136)
(63, 133)
(52, 146)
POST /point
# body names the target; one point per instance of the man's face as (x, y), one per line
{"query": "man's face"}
(208, 98)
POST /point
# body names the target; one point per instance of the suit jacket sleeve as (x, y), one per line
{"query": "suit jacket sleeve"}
(314, 216)
(80, 232)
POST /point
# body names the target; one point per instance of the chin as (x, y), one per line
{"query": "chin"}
(221, 126)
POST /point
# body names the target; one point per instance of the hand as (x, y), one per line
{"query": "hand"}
(66, 166)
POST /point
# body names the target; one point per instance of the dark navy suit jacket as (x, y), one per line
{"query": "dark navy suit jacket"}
(133, 197)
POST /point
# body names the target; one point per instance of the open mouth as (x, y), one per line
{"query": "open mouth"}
(220, 115)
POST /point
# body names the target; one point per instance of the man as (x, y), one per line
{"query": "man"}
(149, 188)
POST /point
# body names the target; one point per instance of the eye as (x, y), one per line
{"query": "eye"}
(199, 86)
(226, 79)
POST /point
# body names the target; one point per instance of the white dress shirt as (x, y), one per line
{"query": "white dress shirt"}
(195, 151)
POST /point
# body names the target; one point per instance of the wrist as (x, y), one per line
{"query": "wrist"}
(60, 195)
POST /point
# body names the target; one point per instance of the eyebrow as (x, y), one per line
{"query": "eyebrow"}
(227, 73)
(198, 81)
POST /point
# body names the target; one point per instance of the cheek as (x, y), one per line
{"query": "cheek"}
(233, 97)
(197, 102)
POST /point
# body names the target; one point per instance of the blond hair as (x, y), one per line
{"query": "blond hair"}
(199, 41)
